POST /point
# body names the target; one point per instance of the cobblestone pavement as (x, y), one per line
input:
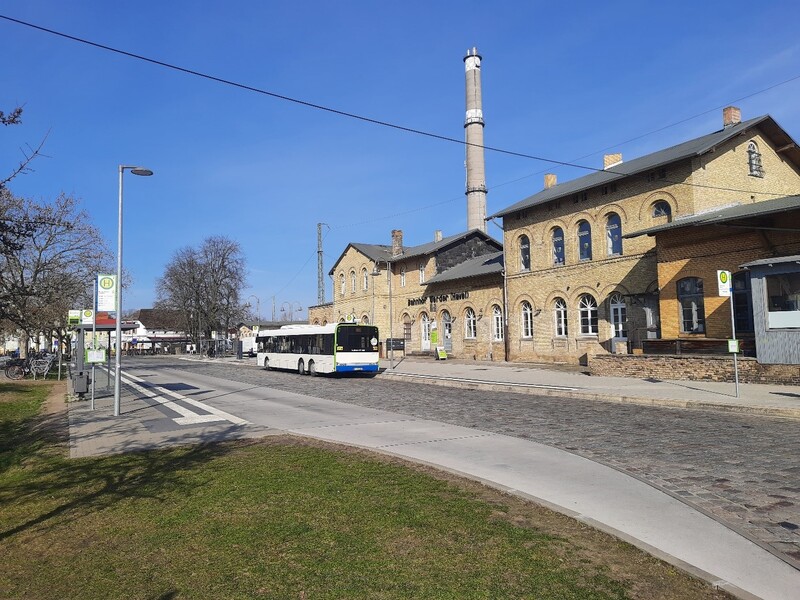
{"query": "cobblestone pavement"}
(742, 469)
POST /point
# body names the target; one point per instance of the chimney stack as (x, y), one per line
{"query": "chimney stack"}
(473, 126)
(550, 180)
(437, 235)
(612, 160)
(731, 115)
(397, 242)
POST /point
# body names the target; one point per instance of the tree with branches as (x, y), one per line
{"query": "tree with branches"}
(48, 264)
(205, 285)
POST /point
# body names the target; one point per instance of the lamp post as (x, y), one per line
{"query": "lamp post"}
(141, 171)
(258, 306)
(291, 310)
(375, 272)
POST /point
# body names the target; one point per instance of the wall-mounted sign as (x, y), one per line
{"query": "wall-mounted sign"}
(438, 298)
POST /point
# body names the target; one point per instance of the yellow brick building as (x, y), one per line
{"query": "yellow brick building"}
(578, 286)
(413, 296)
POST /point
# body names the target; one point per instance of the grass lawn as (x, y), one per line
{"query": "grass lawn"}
(283, 518)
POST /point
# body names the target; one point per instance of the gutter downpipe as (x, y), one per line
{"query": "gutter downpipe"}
(506, 341)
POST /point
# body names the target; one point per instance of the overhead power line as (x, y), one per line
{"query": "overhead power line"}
(386, 123)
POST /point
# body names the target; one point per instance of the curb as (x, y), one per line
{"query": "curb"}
(567, 392)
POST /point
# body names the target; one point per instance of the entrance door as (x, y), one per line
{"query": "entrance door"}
(619, 318)
(425, 323)
(447, 332)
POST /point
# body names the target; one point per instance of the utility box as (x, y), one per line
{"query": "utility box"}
(80, 382)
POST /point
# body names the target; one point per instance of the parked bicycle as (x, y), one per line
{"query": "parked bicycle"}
(37, 364)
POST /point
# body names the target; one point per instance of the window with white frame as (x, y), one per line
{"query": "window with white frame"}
(527, 319)
(783, 300)
(497, 323)
(560, 317)
(692, 305)
(524, 253)
(352, 281)
(558, 246)
(754, 160)
(587, 306)
(342, 287)
(365, 279)
(470, 324)
(422, 272)
(619, 316)
(403, 276)
(584, 240)
(614, 235)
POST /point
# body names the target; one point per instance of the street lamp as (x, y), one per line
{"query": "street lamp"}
(258, 306)
(141, 171)
(291, 310)
(375, 272)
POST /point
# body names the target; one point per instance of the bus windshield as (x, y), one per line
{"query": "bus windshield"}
(357, 339)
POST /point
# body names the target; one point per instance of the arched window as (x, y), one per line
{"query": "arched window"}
(365, 279)
(365, 319)
(558, 246)
(619, 316)
(587, 306)
(584, 240)
(470, 324)
(560, 317)
(527, 320)
(614, 235)
(422, 272)
(662, 209)
(497, 323)
(403, 276)
(342, 287)
(524, 253)
(692, 307)
(352, 281)
(754, 160)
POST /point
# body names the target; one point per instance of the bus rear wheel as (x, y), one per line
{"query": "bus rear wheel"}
(301, 367)
(266, 364)
(312, 368)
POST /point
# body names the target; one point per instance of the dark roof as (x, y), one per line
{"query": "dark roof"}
(380, 253)
(488, 264)
(775, 260)
(692, 148)
(724, 215)
(162, 318)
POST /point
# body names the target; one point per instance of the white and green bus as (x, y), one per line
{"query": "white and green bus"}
(313, 349)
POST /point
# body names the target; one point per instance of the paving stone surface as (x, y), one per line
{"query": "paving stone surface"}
(744, 470)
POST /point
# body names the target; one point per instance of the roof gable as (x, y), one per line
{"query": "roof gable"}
(689, 149)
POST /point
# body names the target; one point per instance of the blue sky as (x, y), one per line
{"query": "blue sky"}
(564, 81)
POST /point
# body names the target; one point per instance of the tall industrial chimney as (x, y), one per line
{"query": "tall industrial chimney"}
(473, 125)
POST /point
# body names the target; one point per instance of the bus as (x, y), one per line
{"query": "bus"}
(314, 349)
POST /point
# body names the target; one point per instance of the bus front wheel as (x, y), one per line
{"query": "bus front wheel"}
(301, 368)
(266, 364)
(312, 368)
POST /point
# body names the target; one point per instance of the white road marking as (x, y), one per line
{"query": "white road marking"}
(187, 417)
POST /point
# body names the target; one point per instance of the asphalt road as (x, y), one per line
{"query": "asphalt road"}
(742, 469)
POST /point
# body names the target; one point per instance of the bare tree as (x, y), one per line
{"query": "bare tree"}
(29, 153)
(49, 265)
(205, 285)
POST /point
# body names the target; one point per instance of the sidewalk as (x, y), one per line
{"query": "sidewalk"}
(557, 380)
(157, 412)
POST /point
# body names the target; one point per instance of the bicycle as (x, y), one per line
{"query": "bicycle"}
(34, 365)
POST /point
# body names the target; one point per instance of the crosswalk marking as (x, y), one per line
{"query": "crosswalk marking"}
(188, 417)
